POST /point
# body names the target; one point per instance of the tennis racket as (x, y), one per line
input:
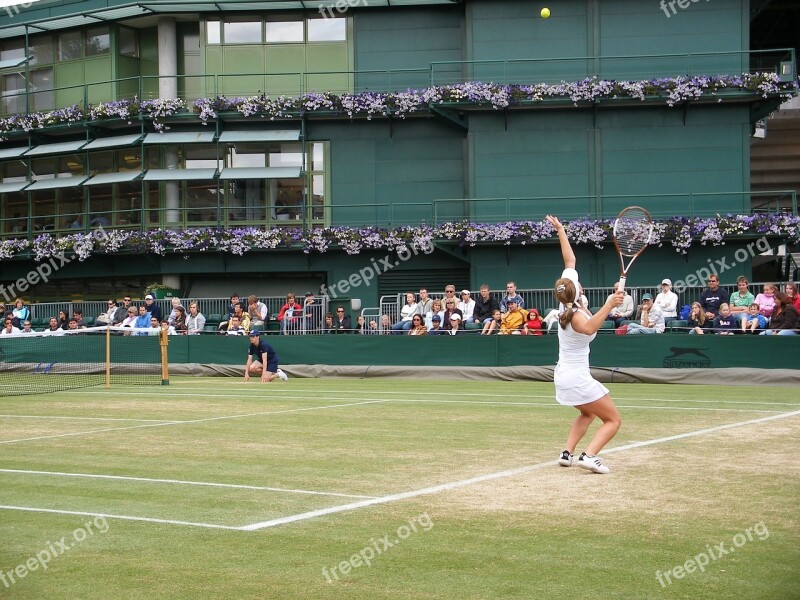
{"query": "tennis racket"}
(633, 230)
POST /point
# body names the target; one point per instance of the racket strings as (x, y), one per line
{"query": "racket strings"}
(632, 235)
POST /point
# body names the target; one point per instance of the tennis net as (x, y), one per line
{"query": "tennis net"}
(41, 363)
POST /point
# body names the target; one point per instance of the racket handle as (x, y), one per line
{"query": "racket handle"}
(622, 280)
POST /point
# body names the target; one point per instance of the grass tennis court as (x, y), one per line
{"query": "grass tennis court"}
(212, 488)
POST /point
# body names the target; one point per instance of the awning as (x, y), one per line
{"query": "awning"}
(179, 174)
(261, 173)
(60, 182)
(55, 148)
(13, 152)
(269, 135)
(180, 137)
(117, 177)
(13, 62)
(113, 142)
(13, 186)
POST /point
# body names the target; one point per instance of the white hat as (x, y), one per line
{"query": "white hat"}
(149, 297)
(455, 317)
(667, 281)
(465, 292)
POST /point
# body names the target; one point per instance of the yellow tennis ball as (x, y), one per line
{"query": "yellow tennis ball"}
(545, 13)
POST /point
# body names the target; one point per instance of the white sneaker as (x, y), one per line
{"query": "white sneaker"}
(282, 375)
(565, 460)
(593, 464)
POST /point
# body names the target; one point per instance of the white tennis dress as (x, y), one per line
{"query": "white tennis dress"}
(574, 383)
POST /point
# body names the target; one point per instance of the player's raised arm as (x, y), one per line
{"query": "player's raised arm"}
(566, 248)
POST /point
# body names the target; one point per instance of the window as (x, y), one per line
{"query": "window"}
(70, 165)
(12, 49)
(13, 93)
(69, 45)
(284, 31)
(201, 157)
(213, 32)
(101, 162)
(41, 50)
(15, 170)
(42, 96)
(16, 212)
(247, 155)
(243, 32)
(98, 41)
(128, 42)
(43, 168)
(285, 155)
(327, 30)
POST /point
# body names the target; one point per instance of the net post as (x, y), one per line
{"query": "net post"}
(164, 357)
(108, 357)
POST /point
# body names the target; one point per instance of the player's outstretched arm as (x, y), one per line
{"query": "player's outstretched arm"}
(566, 249)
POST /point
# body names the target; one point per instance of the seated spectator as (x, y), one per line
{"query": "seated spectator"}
(652, 318)
(142, 321)
(63, 319)
(725, 322)
(234, 301)
(437, 308)
(179, 324)
(485, 305)
(54, 328)
(235, 326)
(667, 300)
(361, 325)
(130, 320)
(712, 296)
(624, 311)
(258, 312)
(741, 299)
(424, 304)
(342, 322)
(26, 327)
(697, 322)
(514, 319)
(753, 321)
(20, 312)
(382, 326)
(449, 294)
(73, 325)
(122, 311)
(449, 310)
(534, 323)
(466, 306)
(195, 321)
(785, 319)
(455, 325)
(289, 315)
(107, 318)
(511, 294)
(8, 328)
(153, 308)
(436, 326)
(327, 324)
(417, 326)
(766, 300)
(77, 314)
(155, 326)
(794, 296)
(493, 326)
(176, 302)
(408, 310)
(242, 319)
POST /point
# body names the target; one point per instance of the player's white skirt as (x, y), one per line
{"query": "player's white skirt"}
(575, 386)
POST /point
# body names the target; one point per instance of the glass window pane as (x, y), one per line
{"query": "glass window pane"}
(129, 159)
(69, 45)
(285, 155)
(13, 93)
(70, 207)
(243, 32)
(70, 165)
(201, 157)
(247, 155)
(12, 49)
(43, 168)
(318, 156)
(16, 212)
(284, 31)
(246, 200)
(201, 201)
(41, 50)
(288, 199)
(98, 41)
(318, 197)
(212, 32)
(128, 42)
(42, 96)
(327, 30)
(15, 170)
(101, 162)
(129, 204)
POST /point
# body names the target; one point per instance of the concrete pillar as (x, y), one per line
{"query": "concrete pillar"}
(167, 59)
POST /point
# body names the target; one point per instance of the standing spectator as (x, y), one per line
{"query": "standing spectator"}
(766, 300)
(342, 322)
(652, 318)
(725, 322)
(667, 300)
(485, 305)
(741, 299)
(195, 321)
(310, 307)
(408, 310)
(511, 294)
(258, 312)
(622, 312)
(712, 297)
(289, 315)
(466, 306)
(152, 308)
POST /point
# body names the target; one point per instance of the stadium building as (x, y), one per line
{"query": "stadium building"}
(193, 131)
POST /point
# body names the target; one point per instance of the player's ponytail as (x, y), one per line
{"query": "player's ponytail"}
(566, 294)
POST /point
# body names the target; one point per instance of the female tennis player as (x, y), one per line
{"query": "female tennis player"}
(574, 383)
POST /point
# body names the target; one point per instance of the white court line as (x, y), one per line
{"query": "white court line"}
(182, 482)
(284, 395)
(122, 517)
(491, 476)
(556, 405)
(84, 418)
(206, 420)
